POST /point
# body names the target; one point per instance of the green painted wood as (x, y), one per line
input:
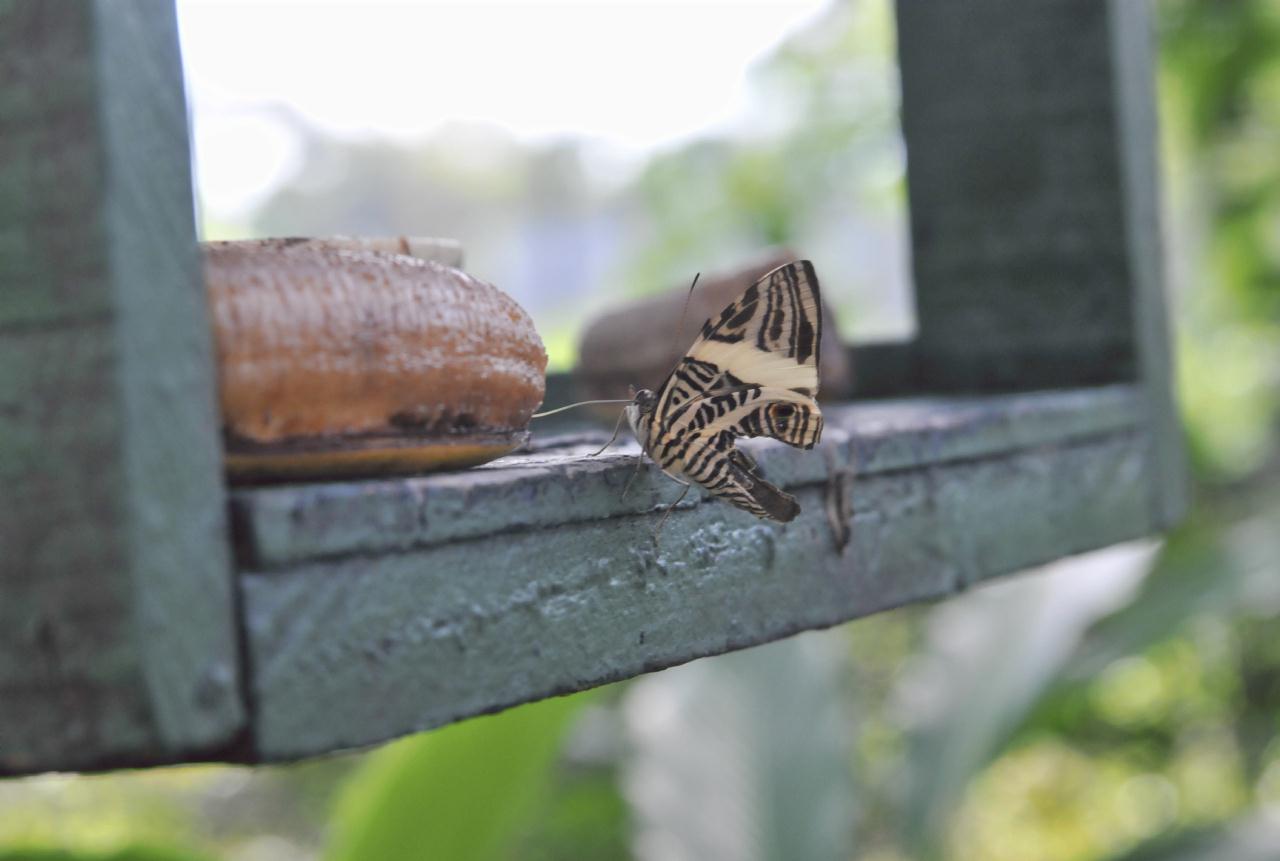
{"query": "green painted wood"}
(558, 483)
(1034, 194)
(1133, 59)
(880, 370)
(1024, 269)
(48, 142)
(117, 637)
(377, 609)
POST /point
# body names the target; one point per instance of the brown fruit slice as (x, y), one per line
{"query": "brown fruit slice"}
(337, 362)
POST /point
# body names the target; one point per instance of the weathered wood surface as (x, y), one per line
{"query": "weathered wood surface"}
(376, 609)
(116, 625)
(1133, 59)
(280, 526)
(1024, 271)
(1033, 182)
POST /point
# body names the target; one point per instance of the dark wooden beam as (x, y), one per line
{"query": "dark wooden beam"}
(1024, 270)
(1033, 184)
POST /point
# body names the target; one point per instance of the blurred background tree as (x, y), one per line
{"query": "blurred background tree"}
(1124, 705)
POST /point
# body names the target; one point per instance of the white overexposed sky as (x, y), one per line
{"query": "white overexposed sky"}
(636, 76)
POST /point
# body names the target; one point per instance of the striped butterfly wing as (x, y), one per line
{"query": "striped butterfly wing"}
(700, 444)
(753, 371)
(769, 337)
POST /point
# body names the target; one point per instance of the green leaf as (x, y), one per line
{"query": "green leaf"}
(459, 793)
(1206, 567)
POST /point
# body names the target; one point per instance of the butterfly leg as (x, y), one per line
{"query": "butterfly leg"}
(670, 508)
(634, 473)
(617, 426)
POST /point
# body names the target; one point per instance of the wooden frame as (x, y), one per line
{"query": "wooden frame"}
(117, 635)
(1032, 418)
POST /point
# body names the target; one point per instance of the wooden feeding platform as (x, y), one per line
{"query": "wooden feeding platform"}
(149, 614)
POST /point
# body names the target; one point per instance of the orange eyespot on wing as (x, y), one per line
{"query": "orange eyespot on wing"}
(769, 337)
(752, 372)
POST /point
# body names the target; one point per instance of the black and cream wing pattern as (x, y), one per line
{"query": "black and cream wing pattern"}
(753, 371)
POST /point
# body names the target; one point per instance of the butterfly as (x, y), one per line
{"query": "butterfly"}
(752, 372)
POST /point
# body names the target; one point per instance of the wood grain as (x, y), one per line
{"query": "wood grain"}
(117, 629)
(559, 484)
(388, 607)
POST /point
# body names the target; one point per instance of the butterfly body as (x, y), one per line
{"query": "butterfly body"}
(752, 372)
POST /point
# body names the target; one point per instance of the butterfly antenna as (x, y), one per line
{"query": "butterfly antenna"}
(685, 313)
(579, 404)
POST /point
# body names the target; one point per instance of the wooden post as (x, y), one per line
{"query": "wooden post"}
(1032, 182)
(117, 636)
(1133, 59)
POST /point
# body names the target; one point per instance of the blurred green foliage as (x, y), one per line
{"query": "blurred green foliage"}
(1220, 87)
(467, 791)
(827, 147)
(139, 853)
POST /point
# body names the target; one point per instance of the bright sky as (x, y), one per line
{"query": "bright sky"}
(636, 75)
